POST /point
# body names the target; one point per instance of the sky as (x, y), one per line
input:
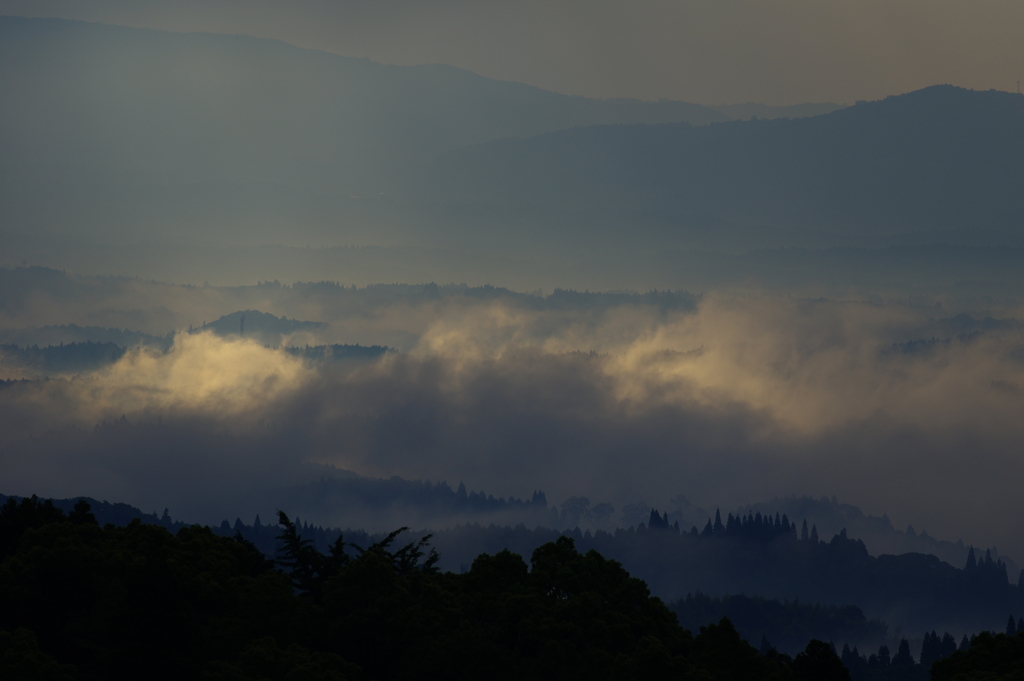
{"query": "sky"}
(777, 52)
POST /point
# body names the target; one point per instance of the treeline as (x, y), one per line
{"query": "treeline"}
(262, 326)
(217, 607)
(89, 356)
(73, 333)
(987, 656)
(338, 352)
(415, 502)
(782, 624)
(21, 283)
(757, 555)
(63, 358)
(85, 602)
(877, 532)
(914, 591)
(559, 299)
(763, 556)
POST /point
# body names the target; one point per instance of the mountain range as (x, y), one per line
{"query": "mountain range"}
(165, 147)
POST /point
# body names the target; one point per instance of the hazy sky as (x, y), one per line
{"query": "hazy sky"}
(704, 51)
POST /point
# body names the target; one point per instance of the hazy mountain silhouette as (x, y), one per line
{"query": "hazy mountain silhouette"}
(934, 160)
(73, 333)
(754, 110)
(264, 327)
(142, 105)
(218, 142)
(204, 140)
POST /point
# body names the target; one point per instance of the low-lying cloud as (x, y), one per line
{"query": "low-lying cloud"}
(744, 398)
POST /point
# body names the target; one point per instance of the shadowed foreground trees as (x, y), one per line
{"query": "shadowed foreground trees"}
(989, 658)
(84, 602)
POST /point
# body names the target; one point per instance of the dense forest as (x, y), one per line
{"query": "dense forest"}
(864, 601)
(761, 556)
(58, 359)
(137, 601)
(85, 602)
(764, 555)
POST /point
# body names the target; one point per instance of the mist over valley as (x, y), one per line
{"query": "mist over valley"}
(533, 383)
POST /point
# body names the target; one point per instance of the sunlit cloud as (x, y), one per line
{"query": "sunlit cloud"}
(744, 397)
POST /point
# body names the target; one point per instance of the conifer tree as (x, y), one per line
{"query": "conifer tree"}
(948, 645)
(903, 657)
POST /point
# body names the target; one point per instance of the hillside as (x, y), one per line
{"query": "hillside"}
(143, 106)
(936, 160)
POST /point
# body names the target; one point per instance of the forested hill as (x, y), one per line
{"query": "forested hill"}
(935, 159)
(877, 532)
(914, 591)
(60, 359)
(755, 555)
(85, 602)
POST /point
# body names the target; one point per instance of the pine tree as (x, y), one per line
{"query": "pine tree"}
(814, 533)
(948, 645)
(931, 649)
(903, 657)
(1011, 626)
(803, 532)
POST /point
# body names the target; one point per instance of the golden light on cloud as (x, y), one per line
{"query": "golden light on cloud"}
(201, 373)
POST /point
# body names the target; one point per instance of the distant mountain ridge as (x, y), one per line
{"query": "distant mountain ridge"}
(263, 326)
(941, 158)
(750, 110)
(188, 107)
(233, 139)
